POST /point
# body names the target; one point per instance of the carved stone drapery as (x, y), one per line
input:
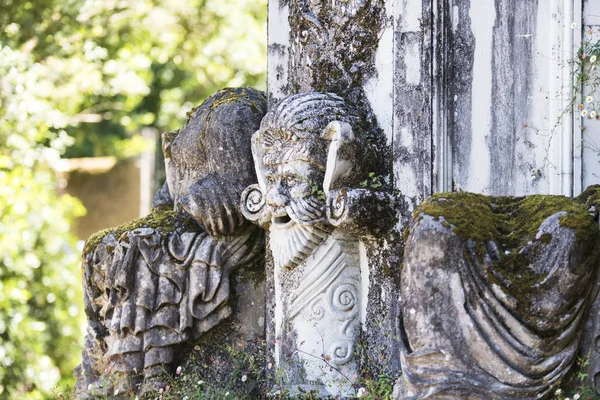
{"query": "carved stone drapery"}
(159, 283)
(311, 155)
(496, 292)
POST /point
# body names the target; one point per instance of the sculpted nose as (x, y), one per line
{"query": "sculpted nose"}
(276, 197)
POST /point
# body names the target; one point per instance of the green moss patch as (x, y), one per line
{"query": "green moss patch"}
(513, 223)
(161, 218)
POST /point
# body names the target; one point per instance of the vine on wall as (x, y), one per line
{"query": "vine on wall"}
(586, 78)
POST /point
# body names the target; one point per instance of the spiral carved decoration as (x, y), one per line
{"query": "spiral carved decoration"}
(317, 311)
(342, 352)
(344, 297)
(253, 203)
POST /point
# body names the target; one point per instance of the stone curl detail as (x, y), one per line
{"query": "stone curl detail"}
(342, 353)
(344, 297)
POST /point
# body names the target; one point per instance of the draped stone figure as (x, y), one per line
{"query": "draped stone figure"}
(495, 294)
(157, 284)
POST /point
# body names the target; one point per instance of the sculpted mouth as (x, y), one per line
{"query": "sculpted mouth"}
(280, 218)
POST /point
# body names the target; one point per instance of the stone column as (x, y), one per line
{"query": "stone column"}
(363, 51)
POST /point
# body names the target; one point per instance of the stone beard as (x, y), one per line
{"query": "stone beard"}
(292, 242)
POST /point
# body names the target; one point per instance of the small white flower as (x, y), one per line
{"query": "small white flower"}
(593, 114)
(270, 365)
(90, 386)
(116, 392)
(558, 391)
(185, 398)
(244, 378)
(200, 382)
(226, 394)
(576, 396)
(584, 113)
(567, 398)
(573, 25)
(361, 392)
(589, 99)
(178, 370)
(593, 59)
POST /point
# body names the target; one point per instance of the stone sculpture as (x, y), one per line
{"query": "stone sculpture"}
(496, 292)
(159, 283)
(311, 155)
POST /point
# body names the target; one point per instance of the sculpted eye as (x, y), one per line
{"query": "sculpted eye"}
(270, 180)
(292, 180)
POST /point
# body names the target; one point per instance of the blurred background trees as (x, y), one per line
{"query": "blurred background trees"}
(81, 78)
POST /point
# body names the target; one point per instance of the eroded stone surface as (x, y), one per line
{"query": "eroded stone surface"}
(158, 284)
(495, 294)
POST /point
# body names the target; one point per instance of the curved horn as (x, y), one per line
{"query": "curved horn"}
(342, 157)
(257, 153)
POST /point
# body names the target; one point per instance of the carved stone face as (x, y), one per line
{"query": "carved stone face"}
(291, 151)
(293, 194)
(297, 209)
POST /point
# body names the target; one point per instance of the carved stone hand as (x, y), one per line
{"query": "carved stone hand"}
(214, 203)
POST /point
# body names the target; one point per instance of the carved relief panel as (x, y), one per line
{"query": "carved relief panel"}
(311, 157)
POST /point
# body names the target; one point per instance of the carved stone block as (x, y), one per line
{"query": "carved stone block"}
(156, 285)
(496, 292)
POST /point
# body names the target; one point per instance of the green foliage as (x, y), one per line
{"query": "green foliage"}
(40, 295)
(82, 78)
(575, 387)
(378, 388)
(217, 371)
(372, 181)
(109, 68)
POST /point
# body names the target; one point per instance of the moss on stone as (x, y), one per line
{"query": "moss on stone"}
(241, 95)
(513, 223)
(253, 272)
(162, 218)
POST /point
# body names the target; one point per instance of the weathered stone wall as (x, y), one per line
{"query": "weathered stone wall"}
(468, 93)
